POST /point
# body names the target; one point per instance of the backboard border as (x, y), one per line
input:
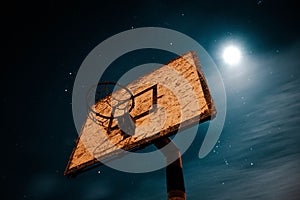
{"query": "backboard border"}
(171, 131)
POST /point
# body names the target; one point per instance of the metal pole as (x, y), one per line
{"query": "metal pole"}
(174, 173)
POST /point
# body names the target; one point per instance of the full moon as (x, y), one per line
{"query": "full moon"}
(232, 55)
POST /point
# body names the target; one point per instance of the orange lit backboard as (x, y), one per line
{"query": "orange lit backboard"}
(175, 94)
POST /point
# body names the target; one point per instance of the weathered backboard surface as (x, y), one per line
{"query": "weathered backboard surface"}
(155, 105)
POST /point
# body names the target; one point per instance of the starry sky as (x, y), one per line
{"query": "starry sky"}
(257, 155)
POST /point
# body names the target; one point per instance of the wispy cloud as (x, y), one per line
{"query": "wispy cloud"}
(258, 157)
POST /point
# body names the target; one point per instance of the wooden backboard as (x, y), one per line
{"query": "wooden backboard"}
(153, 106)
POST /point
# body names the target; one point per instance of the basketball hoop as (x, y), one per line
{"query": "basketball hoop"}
(120, 100)
(117, 105)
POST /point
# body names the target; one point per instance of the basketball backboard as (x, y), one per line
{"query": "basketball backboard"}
(134, 116)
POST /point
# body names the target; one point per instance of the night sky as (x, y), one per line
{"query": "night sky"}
(258, 153)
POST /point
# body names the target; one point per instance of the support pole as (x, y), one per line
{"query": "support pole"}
(174, 173)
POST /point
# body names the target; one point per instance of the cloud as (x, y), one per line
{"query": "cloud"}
(258, 156)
